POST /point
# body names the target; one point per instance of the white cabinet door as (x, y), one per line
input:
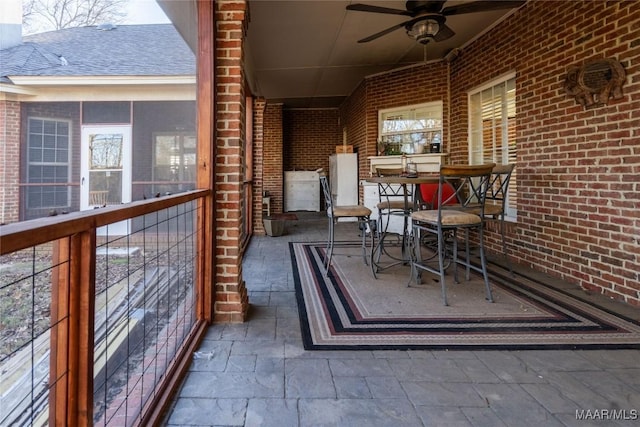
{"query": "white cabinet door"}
(343, 175)
(301, 191)
(371, 200)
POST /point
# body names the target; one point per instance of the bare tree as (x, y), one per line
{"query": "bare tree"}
(46, 15)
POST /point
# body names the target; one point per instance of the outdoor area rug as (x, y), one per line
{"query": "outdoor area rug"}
(350, 310)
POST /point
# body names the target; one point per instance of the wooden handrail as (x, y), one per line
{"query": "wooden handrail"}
(22, 235)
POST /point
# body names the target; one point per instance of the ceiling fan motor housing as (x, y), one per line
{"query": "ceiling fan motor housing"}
(416, 6)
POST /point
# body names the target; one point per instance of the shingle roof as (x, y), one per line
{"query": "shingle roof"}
(127, 50)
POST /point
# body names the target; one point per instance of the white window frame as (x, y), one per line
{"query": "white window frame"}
(502, 147)
(432, 131)
(43, 163)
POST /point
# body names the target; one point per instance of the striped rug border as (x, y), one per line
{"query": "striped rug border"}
(611, 330)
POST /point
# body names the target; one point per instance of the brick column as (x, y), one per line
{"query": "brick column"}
(9, 161)
(231, 301)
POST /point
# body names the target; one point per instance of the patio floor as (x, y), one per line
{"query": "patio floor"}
(258, 373)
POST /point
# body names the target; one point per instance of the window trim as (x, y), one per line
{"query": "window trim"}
(511, 212)
(29, 163)
(435, 105)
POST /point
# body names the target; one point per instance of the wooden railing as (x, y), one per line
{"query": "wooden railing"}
(74, 240)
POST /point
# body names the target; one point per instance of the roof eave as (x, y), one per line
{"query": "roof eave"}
(102, 80)
(7, 88)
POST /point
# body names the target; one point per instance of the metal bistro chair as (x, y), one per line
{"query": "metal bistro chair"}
(428, 195)
(334, 213)
(470, 184)
(495, 206)
(391, 199)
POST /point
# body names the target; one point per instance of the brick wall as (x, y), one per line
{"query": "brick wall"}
(272, 163)
(231, 300)
(258, 159)
(578, 169)
(579, 193)
(353, 115)
(310, 137)
(10, 161)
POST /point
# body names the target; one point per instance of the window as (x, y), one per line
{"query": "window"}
(492, 130)
(411, 129)
(174, 163)
(48, 160)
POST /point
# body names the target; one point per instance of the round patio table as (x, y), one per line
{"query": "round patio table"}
(408, 187)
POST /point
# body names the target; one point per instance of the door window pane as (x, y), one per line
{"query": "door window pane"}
(106, 151)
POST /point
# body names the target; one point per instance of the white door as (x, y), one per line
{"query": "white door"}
(106, 170)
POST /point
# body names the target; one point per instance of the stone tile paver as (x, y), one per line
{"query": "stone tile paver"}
(385, 387)
(309, 378)
(482, 417)
(272, 413)
(357, 413)
(352, 388)
(204, 412)
(515, 407)
(459, 395)
(258, 373)
(427, 370)
(242, 363)
(265, 381)
(358, 367)
(476, 371)
(508, 367)
(443, 416)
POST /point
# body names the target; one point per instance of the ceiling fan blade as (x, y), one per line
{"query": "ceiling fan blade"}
(444, 33)
(481, 6)
(381, 33)
(377, 9)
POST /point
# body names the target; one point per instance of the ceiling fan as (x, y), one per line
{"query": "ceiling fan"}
(428, 18)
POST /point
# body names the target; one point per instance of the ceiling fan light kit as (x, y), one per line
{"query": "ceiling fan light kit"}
(424, 30)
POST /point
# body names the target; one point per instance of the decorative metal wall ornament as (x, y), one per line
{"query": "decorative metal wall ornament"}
(595, 82)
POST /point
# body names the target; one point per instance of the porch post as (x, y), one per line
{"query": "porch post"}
(206, 168)
(72, 332)
(231, 300)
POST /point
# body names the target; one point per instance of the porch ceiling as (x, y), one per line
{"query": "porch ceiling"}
(305, 54)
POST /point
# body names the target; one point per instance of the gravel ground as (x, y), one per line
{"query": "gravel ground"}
(25, 298)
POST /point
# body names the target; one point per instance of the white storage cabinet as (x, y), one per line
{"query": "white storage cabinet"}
(301, 191)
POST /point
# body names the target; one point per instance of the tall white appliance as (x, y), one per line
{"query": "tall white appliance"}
(343, 176)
